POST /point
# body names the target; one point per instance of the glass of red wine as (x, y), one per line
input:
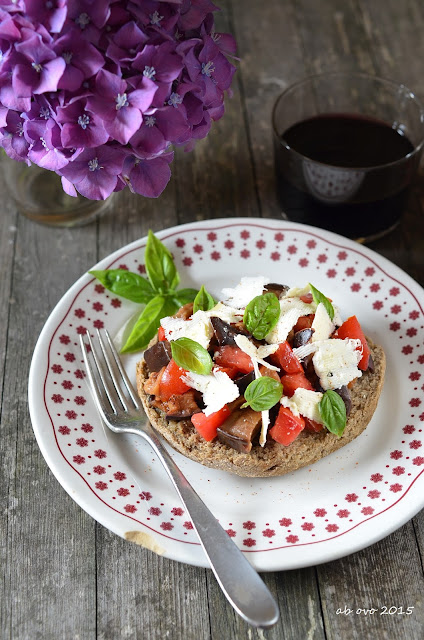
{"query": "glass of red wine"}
(347, 148)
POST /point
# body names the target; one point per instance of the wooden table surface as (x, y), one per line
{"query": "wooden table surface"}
(64, 575)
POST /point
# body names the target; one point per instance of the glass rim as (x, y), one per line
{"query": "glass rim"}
(350, 74)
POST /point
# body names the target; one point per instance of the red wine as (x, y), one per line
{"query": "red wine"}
(344, 172)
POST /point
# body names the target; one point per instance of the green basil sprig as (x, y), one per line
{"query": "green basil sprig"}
(262, 394)
(190, 355)
(203, 301)
(320, 297)
(332, 410)
(261, 315)
(160, 265)
(158, 291)
(126, 284)
(148, 323)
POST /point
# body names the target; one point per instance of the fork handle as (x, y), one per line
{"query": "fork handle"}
(239, 581)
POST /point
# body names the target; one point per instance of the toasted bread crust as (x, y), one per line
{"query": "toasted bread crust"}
(274, 459)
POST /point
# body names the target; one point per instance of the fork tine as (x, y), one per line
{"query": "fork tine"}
(130, 388)
(112, 365)
(99, 392)
(104, 373)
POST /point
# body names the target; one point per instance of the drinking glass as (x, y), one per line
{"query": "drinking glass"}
(347, 147)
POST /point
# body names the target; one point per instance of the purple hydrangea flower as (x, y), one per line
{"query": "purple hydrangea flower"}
(148, 177)
(120, 106)
(13, 140)
(160, 64)
(99, 91)
(50, 13)
(82, 59)
(159, 129)
(38, 69)
(94, 173)
(80, 127)
(45, 145)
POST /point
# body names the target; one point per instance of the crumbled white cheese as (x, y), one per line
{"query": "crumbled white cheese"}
(198, 328)
(304, 402)
(322, 324)
(217, 388)
(257, 354)
(296, 292)
(245, 291)
(264, 428)
(335, 362)
(337, 320)
(291, 309)
(305, 350)
(226, 313)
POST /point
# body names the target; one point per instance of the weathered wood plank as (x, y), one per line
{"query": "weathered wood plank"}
(299, 602)
(271, 58)
(131, 216)
(216, 179)
(333, 35)
(395, 36)
(163, 599)
(50, 541)
(388, 574)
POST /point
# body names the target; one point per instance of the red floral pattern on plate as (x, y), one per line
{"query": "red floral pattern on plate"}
(250, 247)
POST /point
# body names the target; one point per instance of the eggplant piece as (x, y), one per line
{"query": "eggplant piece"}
(371, 365)
(158, 356)
(226, 333)
(274, 287)
(244, 381)
(185, 311)
(344, 393)
(302, 337)
(310, 373)
(239, 429)
(179, 406)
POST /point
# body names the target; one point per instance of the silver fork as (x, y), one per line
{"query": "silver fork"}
(122, 411)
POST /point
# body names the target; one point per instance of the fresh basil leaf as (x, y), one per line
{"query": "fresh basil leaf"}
(263, 393)
(203, 301)
(261, 315)
(190, 355)
(183, 296)
(320, 297)
(148, 323)
(160, 265)
(332, 410)
(127, 284)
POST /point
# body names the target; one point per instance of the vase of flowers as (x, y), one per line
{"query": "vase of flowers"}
(99, 92)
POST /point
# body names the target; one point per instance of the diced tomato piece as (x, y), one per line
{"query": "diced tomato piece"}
(312, 425)
(293, 381)
(286, 427)
(352, 329)
(230, 371)
(304, 322)
(206, 426)
(269, 373)
(285, 358)
(234, 358)
(171, 383)
(307, 298)
(161, 334)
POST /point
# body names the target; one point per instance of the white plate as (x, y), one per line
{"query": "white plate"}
(339, 505)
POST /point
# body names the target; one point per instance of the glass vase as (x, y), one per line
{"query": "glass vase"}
(38, 195)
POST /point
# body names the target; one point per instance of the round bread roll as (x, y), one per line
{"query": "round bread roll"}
(273, 459)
